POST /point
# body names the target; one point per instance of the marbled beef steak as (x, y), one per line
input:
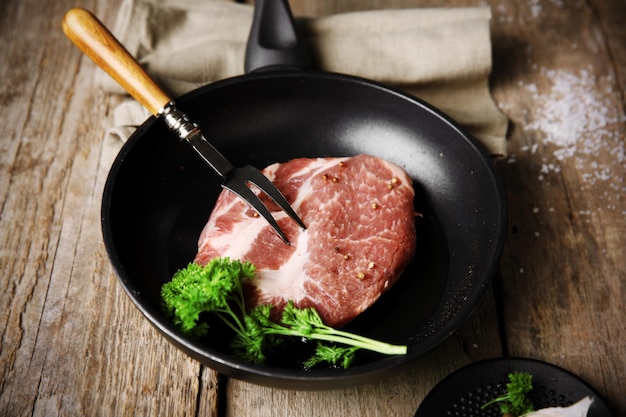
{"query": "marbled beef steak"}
(360, 235)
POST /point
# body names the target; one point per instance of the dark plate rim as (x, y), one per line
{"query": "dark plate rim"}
(439, 395)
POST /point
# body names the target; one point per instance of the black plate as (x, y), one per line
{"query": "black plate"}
(159, 195)
(463, 392)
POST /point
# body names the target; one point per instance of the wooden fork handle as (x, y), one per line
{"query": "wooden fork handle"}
(95, 40)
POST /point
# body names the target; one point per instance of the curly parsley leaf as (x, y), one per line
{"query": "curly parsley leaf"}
(218, 288)
(515, 400)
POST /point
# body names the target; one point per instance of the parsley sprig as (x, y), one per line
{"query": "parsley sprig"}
(515, 400)
(217, 288)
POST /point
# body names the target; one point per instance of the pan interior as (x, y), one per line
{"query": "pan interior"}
(159, 194)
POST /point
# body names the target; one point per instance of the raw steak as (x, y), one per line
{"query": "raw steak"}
(360, 235)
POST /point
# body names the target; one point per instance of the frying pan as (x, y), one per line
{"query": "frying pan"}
(159, 195)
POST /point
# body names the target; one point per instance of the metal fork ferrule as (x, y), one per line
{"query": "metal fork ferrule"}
(178, 121)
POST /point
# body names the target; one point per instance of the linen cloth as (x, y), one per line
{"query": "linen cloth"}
(440, 55)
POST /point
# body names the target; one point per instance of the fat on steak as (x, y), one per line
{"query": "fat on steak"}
(360, 235)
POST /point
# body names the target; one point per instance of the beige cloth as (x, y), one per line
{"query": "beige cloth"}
(442, 56)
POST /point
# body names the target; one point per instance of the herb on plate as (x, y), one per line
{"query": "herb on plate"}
(217, 288)
(515, 401)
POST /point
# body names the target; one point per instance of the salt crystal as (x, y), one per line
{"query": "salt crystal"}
(577, 123)
(532, 88)
(535, 8)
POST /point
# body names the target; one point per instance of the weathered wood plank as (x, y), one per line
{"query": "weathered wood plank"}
(72, 343)
(562, 270)
(612, 15)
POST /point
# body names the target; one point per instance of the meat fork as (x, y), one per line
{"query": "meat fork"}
(95, 41)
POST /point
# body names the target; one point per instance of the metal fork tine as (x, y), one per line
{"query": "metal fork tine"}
(235, 179)
(241, 189)
(264, 184)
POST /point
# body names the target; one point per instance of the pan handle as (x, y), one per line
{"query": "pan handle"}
(273, 41)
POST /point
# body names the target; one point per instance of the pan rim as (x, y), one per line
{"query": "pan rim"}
(316, 379)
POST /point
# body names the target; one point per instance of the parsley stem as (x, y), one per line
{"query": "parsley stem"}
(362, 342)
(386, 347)
(343, 338)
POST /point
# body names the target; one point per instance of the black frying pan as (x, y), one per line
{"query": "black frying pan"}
(159, 194)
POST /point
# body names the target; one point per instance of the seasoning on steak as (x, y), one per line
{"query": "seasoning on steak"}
(360, 235)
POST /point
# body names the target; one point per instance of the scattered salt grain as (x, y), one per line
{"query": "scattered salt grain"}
(577, 123)
(535, 8)
(572, 117)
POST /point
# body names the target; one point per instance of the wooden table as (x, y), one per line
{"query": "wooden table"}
(71, 342)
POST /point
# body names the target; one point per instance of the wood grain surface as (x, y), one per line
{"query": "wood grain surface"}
(72, 343)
